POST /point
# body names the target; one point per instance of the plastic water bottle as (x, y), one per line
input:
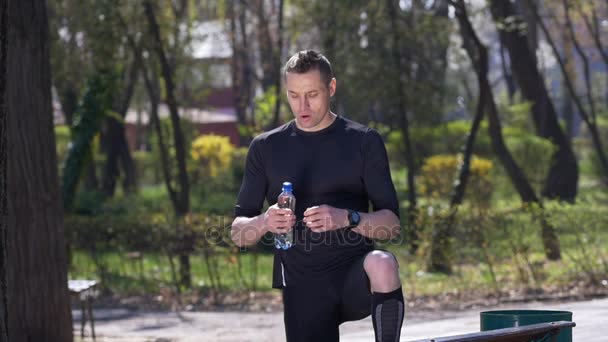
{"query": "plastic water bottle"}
(286, 200)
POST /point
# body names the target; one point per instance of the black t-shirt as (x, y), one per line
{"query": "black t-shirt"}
(344, 165)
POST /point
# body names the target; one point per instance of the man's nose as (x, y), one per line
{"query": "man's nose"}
(303, 103)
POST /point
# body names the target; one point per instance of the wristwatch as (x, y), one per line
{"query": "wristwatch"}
(353, 219)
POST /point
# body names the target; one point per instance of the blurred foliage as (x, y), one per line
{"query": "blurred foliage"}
(62, 142)
(596, 167)
(148, 171)
(215, 174)
(533, 155)
(499, 247)
(98, 94)
(439, 172)
(96, 103)
(444, 138)
(499, 253)
(190, 132)
(212, 155)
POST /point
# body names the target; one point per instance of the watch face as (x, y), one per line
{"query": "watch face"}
(357, 217)
(354, 218)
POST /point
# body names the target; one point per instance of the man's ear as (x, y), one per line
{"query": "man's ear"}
(332, 87)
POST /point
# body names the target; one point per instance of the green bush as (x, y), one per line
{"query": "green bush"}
(597, 168)
(532, 154)
(147, 169)
(439, 173)
(211, 157)
(189, 131)
(582, 231)
(447, 138)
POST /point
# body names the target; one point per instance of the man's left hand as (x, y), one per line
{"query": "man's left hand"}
(324, 218)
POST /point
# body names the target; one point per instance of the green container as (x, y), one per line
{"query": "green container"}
(500, 319)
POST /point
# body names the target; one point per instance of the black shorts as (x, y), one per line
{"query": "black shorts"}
(313, 311)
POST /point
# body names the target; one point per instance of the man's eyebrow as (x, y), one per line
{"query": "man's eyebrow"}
(307, 92)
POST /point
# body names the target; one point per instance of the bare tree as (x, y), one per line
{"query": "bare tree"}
(266, 45)
(592, 27)
(3, 172)
(478, 54)
(114, 139)
(38, 298)
(277, 70)
(182, 204)
(151, 82)
(562, 180)
(404, 126)
(508, 76)
(589, 117)
(241, 67)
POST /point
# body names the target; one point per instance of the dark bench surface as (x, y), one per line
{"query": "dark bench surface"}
(523, 333)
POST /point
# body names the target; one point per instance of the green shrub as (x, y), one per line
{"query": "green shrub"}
(532, 154)
(147, 171)
(447, 138)
(597, 169)
(439, 173)
(211, 156)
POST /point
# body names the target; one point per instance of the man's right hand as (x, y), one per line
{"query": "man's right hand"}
(279, 221)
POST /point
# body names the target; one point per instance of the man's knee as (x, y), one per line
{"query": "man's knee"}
(380, 262)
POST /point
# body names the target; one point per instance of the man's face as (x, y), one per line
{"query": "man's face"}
(308, 98)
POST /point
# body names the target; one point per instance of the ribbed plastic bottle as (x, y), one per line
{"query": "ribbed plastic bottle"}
(286, 200)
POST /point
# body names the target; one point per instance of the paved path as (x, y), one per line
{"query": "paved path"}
(591, 318)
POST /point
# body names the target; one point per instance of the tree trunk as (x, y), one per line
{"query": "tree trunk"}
(478, 54)
(91, 183)
(570, 68)
(38, 297)
(129, 182)
(440, 258)
(68, 97)
(3, 173)
(523, 8)
(328, 28)
(562, 180)
(277, 69)
(511, 89)
(240, 67)
(153, 90)
(593, 28)
(412, 233)
(182, 206)
(117, 147)
(440, 53)
(153, 95)
(266, 46)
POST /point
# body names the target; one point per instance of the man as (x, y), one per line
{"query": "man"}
(331, 274)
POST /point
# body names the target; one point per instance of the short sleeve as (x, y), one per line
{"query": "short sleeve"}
(376, 174)
(251, 196)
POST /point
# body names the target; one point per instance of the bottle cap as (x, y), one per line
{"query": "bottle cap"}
(287, 186)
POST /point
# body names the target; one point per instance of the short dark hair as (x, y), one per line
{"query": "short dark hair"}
(307, 60)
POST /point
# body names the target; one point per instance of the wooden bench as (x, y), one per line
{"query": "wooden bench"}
(85, 291)
(526, 333)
